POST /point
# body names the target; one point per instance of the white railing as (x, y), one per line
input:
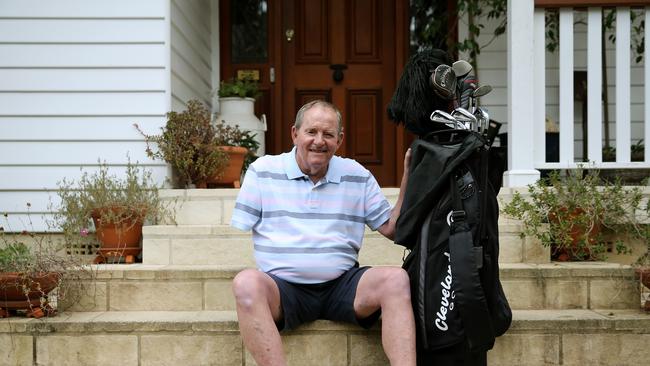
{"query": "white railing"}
(524, 161)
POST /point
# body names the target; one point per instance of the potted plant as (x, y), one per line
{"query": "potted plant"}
(239, 88)
(240, 146)
(36, 274)
(237, 108)
(572, 213)
(191, 143)
(114, 207)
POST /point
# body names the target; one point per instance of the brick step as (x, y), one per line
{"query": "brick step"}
(568, 285)
(222, 244)
(536, 337)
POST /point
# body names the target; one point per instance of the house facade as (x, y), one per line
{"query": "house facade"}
(76, 75)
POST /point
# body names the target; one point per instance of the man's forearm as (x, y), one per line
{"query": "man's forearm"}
(388, 229)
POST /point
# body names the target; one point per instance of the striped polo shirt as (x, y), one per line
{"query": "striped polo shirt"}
(305, 232)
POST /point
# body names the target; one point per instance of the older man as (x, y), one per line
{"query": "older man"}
(308, 209)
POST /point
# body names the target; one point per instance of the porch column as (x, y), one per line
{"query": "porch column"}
(521, 104)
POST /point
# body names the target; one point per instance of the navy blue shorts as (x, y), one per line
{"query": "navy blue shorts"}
(331, 300)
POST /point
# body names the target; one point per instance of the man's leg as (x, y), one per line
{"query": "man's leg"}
(258, 307)
(388, 288)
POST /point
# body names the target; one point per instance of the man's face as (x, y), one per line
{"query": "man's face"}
(316, 141)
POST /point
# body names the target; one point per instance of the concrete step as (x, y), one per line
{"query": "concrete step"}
(568, 285)
(536, 337)
(222, 244)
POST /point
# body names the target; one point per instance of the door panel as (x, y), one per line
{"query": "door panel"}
(358, 34)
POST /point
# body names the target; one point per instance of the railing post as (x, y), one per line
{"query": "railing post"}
(520, 94)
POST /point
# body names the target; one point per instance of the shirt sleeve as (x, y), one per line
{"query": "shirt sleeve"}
(377, 207)
(248, 206)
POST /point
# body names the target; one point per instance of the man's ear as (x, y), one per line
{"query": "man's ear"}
(340, 140)
(294, 134)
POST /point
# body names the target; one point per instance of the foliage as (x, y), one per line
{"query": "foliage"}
(189, 143)
(227, 135)
(571, 213)
(30, 255)
(243, 88)
(15, 257)
(430, 33)
(609, 23)
(131, 199)
(637, 152)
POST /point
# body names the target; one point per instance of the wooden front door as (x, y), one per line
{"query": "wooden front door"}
(307, 41)
(343, 51)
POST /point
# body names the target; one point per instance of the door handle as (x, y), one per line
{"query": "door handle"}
(337, 75)
(289, 33)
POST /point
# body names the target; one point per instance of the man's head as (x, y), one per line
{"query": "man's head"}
(317, 134)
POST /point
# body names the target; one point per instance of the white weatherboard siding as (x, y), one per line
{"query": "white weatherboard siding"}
(492, 63)
(191, 54)
(74, 77)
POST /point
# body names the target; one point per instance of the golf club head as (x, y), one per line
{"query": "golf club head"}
(439, 116)
(443, 80)
(461, 68)
(483, 119)
(464, 117)
(481, 91)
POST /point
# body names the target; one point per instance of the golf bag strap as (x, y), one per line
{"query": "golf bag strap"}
(483, 184)
(422, 278)
(469, 295)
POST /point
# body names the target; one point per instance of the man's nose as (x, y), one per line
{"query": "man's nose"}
(318, 139)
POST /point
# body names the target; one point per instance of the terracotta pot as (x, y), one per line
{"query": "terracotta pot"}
(14, 297)
(577, 232)
(232, 173)
(118, 239)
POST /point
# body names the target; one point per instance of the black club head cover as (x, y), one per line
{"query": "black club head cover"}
(414, 98)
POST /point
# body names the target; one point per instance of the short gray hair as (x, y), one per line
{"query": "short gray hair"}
(313, 103)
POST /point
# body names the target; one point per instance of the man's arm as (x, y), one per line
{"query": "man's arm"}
(388, 228)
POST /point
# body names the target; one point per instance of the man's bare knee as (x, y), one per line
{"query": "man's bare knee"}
(248, 288)
(397, 283)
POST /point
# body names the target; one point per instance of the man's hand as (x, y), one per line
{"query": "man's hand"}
(388, 228)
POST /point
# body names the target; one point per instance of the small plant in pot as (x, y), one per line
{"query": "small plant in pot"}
(241, 88)
(571, 213)
(36, 273)
(240, 146)
(114, 207)
(190, 143)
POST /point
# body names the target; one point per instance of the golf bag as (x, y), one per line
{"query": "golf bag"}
(449, 222)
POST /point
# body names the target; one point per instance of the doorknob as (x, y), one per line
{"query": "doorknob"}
(337, 75)
(289, 33)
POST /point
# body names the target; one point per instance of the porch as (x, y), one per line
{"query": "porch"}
(528, 79)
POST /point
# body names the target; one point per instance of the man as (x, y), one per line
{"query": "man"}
(308, 209)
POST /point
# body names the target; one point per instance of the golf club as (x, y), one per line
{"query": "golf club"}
(443, 80)
(464, 117)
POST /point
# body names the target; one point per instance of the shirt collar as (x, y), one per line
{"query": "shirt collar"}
(293, 171)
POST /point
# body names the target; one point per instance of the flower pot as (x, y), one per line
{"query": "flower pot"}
(241, 112)
(27, 292)
(231, 174)
(577, 232)
(118, 239)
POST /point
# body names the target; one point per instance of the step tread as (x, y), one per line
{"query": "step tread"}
(553, 269)
(156, 321)
(505, 226)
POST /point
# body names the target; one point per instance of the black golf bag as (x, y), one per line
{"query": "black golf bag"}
(449, 222)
